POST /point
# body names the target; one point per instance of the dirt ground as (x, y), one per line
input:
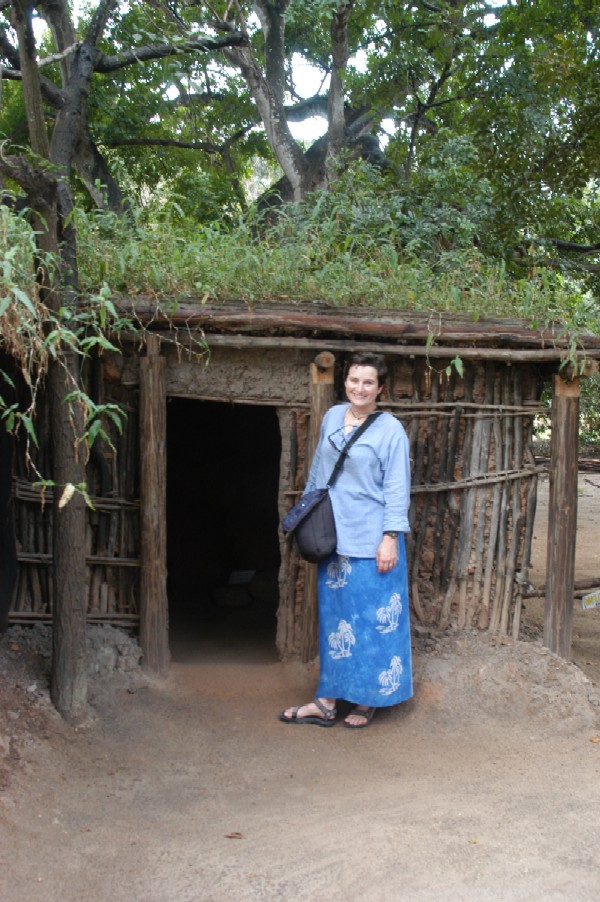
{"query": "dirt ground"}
(484, 787)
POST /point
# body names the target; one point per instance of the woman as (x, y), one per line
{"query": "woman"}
(364, 628)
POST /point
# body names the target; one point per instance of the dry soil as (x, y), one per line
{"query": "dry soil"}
(486, 786)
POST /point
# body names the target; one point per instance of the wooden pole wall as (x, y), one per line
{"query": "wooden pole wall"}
(154, 614)
(321, 399)
(562, 517)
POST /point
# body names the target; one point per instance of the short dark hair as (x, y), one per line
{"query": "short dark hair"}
(365, 358)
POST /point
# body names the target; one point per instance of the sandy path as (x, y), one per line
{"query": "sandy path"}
(192, 790)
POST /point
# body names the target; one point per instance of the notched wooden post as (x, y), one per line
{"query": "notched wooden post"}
(154, 614)
(562, 517)
(321, 399)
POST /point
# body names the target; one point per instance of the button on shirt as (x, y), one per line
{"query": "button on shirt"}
(372, 493)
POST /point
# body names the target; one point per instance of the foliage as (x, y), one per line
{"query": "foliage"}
(369, 240)
(589, 421)
(33, 335)
(358, 243)
(517, 81)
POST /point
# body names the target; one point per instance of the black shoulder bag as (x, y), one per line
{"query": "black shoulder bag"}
(311, 520)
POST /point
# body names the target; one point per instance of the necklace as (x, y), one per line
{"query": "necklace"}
(359, 416)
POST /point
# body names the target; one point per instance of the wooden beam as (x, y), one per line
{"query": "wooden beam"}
(393, 348)
(321, 399)
(562, 517)
(154, 619)
(586, 357)
(401, 325)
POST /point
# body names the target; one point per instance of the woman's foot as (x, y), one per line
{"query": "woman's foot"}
(360, 716)
(320, 712)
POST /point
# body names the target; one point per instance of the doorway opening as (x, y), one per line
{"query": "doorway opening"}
(222, 519)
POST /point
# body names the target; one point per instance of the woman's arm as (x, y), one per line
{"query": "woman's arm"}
(396, 493)
(396, 482)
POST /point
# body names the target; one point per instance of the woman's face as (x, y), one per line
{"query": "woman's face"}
(362, 387)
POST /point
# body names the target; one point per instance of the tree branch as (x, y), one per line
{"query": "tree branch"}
(59, 57)
(339, 56)
(32, 95)
(58, 16)
(558, 262)
(92, 169)
(206, 146)
(307, 108)
(576, 248)
(149, 52)
(166, 142)
(268, 94)
(99, 20)
(34, 180)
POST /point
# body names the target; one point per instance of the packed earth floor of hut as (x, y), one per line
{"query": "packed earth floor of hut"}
(484, 788)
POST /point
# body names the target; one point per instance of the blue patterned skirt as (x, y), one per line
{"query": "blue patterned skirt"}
(364, 631)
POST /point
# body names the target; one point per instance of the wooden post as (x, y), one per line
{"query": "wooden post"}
(562, 517)
(154, 611)
(321, 399)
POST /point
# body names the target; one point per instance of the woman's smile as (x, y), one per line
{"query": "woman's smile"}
(362, 388)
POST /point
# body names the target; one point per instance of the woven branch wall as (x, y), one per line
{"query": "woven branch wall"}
(473, 493)
(472, 513)
(112, 525)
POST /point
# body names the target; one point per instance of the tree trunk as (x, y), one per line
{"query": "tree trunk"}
(90, 166)
(339, 57)
(69, 652)
(267, 90)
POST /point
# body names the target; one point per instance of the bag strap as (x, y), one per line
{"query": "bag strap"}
(344, 452)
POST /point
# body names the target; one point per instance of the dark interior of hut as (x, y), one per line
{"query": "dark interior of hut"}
(222, 541)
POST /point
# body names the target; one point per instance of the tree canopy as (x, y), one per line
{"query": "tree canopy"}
(184, 89)
(480, 120)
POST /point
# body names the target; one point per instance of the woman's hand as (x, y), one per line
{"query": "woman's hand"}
(387, 554)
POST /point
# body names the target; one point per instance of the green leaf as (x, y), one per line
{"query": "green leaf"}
(96, 341)
(458, 365)
(23, 298)
(6, 378)
(29, 428)
(94, 430)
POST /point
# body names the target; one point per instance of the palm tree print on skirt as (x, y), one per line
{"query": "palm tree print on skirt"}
(364, 631)
(338, 570)
(341, 642)
(389, 616)
(390, 678)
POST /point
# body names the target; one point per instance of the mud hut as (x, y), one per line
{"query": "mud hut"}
(216, 448)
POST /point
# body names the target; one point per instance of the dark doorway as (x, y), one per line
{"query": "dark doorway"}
(222, 518)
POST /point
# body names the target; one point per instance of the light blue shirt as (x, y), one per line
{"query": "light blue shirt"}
(372, 493)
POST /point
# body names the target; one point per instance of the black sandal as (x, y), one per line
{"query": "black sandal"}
(360, 711)
(327, 720)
